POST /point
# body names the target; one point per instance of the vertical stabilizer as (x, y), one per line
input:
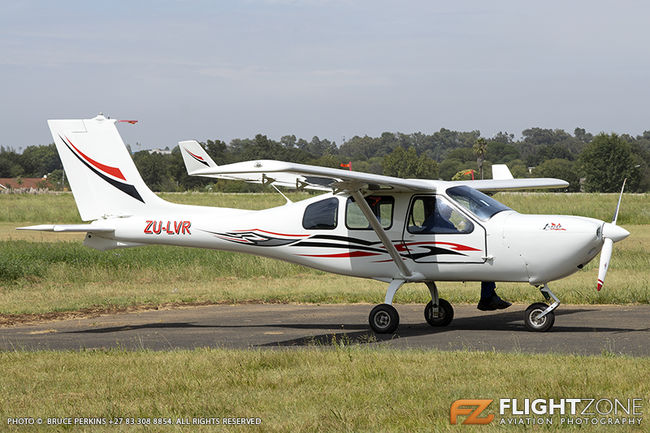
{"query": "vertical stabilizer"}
(102, 175)
(194, 156)
(501, 172)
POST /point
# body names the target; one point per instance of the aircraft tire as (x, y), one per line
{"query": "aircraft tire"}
(446, 313)
(533, 324)
(384, 319)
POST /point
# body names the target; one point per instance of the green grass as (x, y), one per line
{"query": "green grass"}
(635, 208)
(60, 208)
(45, 272)
(39, 277)
(348, 388)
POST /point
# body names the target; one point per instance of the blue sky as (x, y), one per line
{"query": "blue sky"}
(208, 69)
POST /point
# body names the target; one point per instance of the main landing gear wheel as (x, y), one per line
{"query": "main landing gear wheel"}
(534, 322)
(384, 319)
(445, 313)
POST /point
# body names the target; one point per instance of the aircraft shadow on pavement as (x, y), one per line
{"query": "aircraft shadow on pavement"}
(360, 333)
(505, 321)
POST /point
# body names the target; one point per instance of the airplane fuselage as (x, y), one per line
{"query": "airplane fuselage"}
(507, 246)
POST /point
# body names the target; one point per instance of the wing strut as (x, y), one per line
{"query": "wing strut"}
(383, 237)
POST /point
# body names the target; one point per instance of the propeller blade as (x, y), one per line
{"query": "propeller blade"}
(611, 233)
(618, 206)
(605, 256)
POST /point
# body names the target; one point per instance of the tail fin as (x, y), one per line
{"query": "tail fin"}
(194, 156)
(102, 175)
(501, 172)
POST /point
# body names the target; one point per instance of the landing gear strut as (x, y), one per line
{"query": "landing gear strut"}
(384, 318)
(438, 312)
(539, 317)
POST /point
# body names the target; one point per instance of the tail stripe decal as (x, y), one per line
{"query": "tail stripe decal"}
(113, 171)
(198, 158)
(124, 187)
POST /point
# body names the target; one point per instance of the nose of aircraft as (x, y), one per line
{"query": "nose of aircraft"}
(614, 232)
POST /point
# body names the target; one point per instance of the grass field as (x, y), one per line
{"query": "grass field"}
(60, 208)
(337, 387)
(347, 389)
(45, 272)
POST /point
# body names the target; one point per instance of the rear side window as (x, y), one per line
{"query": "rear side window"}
(381, 206)
(321, 215)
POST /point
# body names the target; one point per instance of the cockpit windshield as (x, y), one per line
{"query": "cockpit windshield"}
(481, 205)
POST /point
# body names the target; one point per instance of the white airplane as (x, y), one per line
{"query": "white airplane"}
(369, 226)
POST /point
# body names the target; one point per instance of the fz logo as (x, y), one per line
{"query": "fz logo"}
(168, 227)
(472, 408)
(554, 227)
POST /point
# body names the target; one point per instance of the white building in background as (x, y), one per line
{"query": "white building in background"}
(164, 151)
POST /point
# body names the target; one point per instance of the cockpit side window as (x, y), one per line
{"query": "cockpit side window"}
(321, 215)
(431, 215)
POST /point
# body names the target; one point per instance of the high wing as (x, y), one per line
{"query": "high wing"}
(302, 176)
(512, 184)
(503, 180)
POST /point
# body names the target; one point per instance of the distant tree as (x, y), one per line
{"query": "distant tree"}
(503, 137)
(518, 168)
(317, 147)
(218, 151)
(559, 169)
(38, 161)
(449, 167)
(407, 164)
(465, 154)
(582, 135)
(554, 151)
(360, 148)
(480, 150)
(155, 170)
(605, 162)
(289, 140)
(10, 163)
(501, 152)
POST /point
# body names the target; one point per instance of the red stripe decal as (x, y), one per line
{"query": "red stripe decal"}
(350, 254)
(195, 156)
(455, 247)
(113, 171)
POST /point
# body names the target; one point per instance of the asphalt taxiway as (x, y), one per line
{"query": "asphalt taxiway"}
(580, 329)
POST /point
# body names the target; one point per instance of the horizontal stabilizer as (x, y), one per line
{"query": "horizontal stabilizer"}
(68, 228)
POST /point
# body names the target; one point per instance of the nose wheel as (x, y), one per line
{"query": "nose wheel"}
(535, 321)
(539, 317)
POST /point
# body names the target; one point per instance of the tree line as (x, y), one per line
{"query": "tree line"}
(601, 161)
